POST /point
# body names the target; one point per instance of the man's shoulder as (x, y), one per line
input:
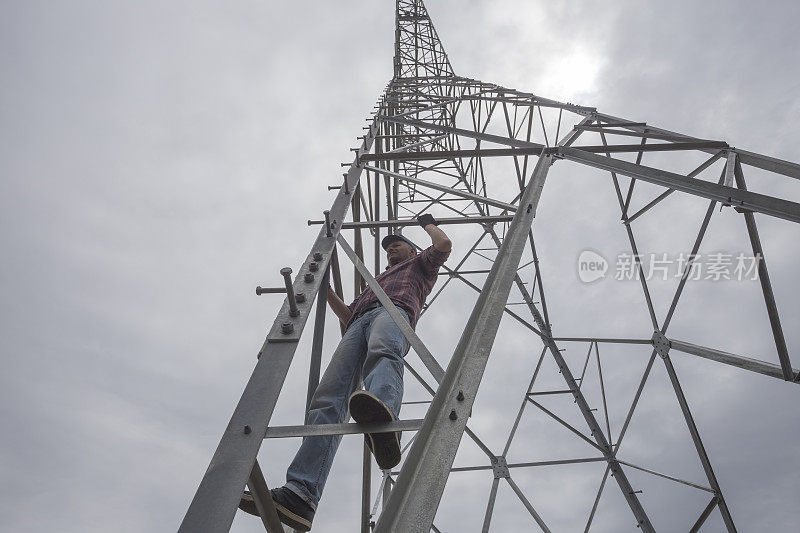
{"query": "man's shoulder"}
(430, 259)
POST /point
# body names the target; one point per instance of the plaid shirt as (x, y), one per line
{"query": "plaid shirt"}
(407, 284)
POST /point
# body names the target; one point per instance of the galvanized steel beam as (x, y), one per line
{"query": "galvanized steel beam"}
(263, 501)
(443, 188)
(416, 495)
(351, 428)
(764, 280)
(217, 498)
(747, 200)
(443, 221)
(745, 363)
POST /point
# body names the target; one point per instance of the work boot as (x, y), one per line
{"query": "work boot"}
(292, 510)
(366, 408)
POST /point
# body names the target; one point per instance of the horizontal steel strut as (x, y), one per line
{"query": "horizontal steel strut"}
(444, 221)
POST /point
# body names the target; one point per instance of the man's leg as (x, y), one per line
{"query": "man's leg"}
(307, 474)
(383, 367)
(383, 380)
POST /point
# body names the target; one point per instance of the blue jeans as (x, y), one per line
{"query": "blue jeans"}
(371, 350)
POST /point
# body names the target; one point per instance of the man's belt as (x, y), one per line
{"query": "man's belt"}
(370, 307)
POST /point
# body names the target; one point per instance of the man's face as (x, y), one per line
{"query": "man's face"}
(398, 251)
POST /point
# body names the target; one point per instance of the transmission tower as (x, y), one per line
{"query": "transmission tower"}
(430, 146)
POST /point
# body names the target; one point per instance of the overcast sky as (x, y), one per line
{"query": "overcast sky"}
(160, 159)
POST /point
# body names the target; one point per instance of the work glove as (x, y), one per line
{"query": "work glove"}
(426, 219)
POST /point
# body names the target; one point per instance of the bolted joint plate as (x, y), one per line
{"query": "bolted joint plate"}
(278, 333)
(500, 468)
(661, 344)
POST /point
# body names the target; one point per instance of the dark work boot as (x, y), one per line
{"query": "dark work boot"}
(366, 408)
(292, 510)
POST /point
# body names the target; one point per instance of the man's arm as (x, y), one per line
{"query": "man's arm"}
(439, 238)
(339, 307)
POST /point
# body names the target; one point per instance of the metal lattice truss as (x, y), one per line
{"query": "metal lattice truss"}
(429, 146)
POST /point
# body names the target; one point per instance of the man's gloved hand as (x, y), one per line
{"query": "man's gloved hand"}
(426, 219)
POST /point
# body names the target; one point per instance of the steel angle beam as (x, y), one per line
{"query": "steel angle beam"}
(593, 339)
(662, 147)
(415, 498)
(263, 501)
(745, 363)
(366, 487)
(532, 99)
(619, 125)
(730, 165)
(629, 133)
(217, 498)
(444, 221)
(665, 476)
(698, 443)
(282, 432)
(497, 139)
(645, 128)
(442, 102)
(766, 284)
(704, 515)
(452, 154)
(770, 164)
(406, 147)
(524, 101)
(760, 203)
(443, 188)
(531, 464)
(570, 138)
(422, 351)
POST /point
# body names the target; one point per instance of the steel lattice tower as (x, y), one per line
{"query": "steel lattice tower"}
(429, 145)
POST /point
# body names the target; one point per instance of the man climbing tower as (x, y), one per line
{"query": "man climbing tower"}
(371, 350)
